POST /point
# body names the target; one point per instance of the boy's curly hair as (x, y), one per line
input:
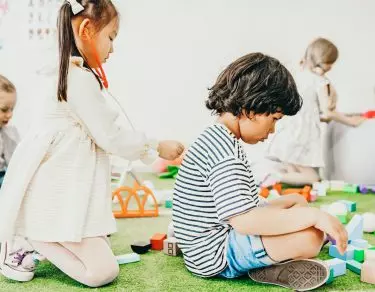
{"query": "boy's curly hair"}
(255, 82)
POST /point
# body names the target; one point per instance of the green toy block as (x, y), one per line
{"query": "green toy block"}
(354, 266)
(331, 277)
(359, 255)
(168, 204)
(172, 171)
(351, 206)
(350, 188)
(343, 218)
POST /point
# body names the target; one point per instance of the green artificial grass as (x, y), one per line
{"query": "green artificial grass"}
(159, 272)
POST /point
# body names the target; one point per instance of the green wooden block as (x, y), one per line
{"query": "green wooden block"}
(343, 218)
(359, 255)
(354, 266)
(350, 188)
(331, 277)
(168, 204)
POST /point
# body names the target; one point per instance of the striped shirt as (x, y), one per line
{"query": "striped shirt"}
(214, 184)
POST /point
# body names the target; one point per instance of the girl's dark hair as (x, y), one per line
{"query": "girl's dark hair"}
(6, 85)
(254, 82)
(101, 12)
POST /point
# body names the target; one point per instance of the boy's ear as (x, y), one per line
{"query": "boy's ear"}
(250, 115)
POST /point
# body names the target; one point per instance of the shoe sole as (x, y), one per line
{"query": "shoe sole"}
(9, 272)
(300, 275)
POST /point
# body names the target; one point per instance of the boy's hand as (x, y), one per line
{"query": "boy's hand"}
(170, 150)
(332, 226)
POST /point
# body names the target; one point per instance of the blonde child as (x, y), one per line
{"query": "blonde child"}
(56, 197)
(218, 220)
(298, 141)
(8, 134)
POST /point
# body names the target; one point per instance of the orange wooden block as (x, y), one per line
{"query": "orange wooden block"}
(264, 192)
(157, 241)
(291, 191)
(277, 187)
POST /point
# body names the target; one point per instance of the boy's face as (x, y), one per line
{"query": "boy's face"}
(7, 103)
(255, 128)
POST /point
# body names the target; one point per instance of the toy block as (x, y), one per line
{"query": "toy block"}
(331, 276)
(351, 206)
(337, 185)
(348, 255)
(128, 258)
(370, 254)
(350, 188)
(277, 187)
(368, 222)
(354, 266)
(355, 228)
(170, 247)
(313, 196)
(368, 272)
(320, 188)
(273, 195)
(342, 218)
(170, 232)
(359, 255)
(264, 192)
(140, 247)
(157, 241)
(168, 204)
(337, 266)
(360, 243)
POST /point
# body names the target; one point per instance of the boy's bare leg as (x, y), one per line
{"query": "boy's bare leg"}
(299, 245)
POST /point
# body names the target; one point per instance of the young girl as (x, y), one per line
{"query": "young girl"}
(56, 197)
(297, 143)
(8, 134)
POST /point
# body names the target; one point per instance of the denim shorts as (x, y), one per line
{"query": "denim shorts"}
(244, 252)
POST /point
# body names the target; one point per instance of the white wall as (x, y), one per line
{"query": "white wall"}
(169, 52)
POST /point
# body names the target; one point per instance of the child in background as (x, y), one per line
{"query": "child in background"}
(56, 197)
(298, 141)
(218, 222)
(8, 134)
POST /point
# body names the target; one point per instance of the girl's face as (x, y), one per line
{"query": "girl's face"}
(7, 103)
(255, 128)
(87, 38)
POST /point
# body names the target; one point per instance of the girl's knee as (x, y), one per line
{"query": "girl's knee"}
(103, 276)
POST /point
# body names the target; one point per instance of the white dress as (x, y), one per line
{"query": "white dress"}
(298, 138)
(57, 187)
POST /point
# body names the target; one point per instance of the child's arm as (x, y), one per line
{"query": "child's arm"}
(288, 201)
(353, 121)
(327, 103)
(104, 124)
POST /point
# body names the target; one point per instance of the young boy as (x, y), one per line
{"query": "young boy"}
(218, 222)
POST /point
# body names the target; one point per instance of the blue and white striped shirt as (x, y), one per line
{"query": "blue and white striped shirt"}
(214, 184)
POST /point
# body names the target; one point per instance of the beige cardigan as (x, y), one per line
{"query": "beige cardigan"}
(57, 187)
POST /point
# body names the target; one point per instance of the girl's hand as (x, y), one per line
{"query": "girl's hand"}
(356, 121)
(170, 149)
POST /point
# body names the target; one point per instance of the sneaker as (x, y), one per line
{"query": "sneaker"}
(299, 275)
(18, 265)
